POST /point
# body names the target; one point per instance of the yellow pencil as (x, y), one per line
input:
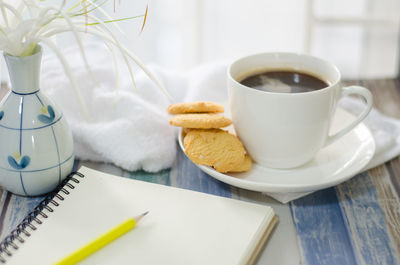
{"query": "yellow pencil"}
(100, 242)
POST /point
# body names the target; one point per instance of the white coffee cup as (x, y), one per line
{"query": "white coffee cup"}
(286, 130)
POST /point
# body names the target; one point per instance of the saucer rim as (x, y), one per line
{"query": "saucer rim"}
(279, 188)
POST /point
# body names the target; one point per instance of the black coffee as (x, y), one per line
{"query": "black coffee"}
(284, 82)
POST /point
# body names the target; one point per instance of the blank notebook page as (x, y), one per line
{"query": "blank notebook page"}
(182, 227)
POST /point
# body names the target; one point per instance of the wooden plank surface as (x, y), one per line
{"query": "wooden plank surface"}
(386, 94)
(368, 217)
(322, 229)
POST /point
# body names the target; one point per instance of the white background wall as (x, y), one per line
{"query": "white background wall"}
(182, 33)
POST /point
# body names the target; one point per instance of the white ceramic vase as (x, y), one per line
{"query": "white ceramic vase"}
(36, 147)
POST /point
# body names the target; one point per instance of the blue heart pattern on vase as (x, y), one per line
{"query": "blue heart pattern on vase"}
(23, 161)
(19, 162)
(48, 115)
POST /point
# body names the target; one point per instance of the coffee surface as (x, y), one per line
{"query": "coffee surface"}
(284, 82)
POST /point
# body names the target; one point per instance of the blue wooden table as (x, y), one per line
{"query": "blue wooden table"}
(356, 222)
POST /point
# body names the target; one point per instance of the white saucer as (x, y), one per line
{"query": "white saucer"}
(334, 164)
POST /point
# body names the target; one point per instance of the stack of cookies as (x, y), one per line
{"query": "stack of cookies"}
(204, 140)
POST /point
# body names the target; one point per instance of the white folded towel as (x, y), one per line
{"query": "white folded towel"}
(130, 128)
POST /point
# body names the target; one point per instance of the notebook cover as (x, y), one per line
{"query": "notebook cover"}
(182, 227)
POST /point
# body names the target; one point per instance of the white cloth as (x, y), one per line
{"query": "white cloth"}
(131, 130)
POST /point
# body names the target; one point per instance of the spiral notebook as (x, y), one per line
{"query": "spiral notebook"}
(182, 227)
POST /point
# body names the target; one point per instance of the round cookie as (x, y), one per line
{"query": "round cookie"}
(216, 148)
(195, 107)
(245, 166)
(200, 121)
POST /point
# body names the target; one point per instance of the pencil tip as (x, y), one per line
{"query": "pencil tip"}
(141, 216)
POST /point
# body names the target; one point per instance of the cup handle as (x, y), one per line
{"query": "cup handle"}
(362, 91)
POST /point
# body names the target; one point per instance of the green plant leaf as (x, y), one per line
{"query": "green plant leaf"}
(114, 20)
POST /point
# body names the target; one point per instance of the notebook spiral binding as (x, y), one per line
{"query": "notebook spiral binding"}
(32, 220)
